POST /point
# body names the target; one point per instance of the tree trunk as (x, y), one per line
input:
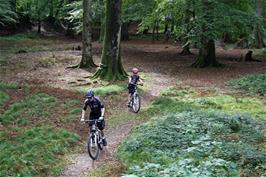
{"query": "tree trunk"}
(165, 27)
(111, 68)
(186, 49)
(51, 9)
(157, 31)
(86, 60)
(206, 55)
(153, 31)
(258, 29)
(125, 34)
(39, 25)
(173, 26)
(186, 43)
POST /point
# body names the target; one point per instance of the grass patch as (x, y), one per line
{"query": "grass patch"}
(32, 109)
(186, 99)
(105, 90)
(3, 98)
(19, 37)
(108, 170)
(34, 151)
(32, 144)
(8, 86)
(250, 84)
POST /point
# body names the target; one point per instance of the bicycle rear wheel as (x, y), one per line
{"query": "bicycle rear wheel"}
(136, 103)
(93, 148)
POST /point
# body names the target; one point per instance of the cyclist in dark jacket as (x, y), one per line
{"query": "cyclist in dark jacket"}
(132, 82)
(97, 112)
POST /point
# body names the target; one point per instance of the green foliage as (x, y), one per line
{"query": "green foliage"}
(194, 144)
(3, 98)
(34, 151)
(19, 37)
(7, 12)
(109, 89)
(105, 90)
(36, 108)
(250, 84)
(195, 135)
(8, 86)
(37, 10)
(186, 99)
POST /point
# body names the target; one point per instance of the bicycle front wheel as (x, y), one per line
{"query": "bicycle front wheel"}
(93, 148)
(136, 103)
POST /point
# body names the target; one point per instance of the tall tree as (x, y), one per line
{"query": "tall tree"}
(87, 60)
(206, 55)
(258, 28)
(111, 68)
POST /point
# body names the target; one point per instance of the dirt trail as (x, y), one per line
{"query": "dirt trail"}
(81, 164)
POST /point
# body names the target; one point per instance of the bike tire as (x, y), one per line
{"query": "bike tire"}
(136, 106)
(100, 142)
(93, 147)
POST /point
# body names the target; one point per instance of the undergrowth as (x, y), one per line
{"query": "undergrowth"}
(32, 142)
(195, 144)
(194, 135)
(34, 151)
(35, 108)
(3, 98)
(251, 84)
(105, 90)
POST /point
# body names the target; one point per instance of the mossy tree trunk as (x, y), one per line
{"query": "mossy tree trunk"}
(188, 14)
(87, 60)
(206, 55)
(111, 68)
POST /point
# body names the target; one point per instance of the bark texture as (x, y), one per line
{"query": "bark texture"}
(87, 59)
(206, 56)
(258, 28)
(111, 68)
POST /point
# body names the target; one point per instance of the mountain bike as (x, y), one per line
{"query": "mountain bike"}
(95, 141)
(134, 103)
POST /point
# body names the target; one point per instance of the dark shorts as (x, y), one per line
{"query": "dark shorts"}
(100, 124)
(131, 88)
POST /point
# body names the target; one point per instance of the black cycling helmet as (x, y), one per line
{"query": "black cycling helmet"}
(89, 94)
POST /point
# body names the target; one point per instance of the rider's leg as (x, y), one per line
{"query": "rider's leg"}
(101, 126)
(129, 98)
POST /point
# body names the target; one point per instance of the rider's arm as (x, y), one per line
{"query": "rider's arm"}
(129, 80)
(84, 109)
(102, 111)
(83, 113)
(141, 81)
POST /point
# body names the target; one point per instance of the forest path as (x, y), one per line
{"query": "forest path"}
(81, 164)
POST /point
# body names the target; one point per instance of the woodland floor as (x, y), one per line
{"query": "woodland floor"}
(162, 66)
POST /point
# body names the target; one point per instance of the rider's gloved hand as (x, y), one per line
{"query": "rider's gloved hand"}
(101, 118)
(82, 119)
